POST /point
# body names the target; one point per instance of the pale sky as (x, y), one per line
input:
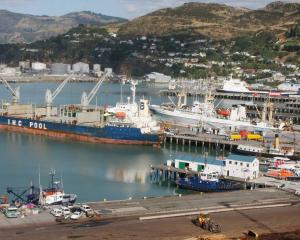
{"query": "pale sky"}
(119, 8)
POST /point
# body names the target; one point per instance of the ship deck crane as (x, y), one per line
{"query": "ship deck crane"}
(14, 92)
(50, 96)
(86, 99)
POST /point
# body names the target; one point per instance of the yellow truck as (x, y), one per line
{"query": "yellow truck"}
(255, 137)
(235, 137)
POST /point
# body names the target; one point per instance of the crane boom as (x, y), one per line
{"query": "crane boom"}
(86, 99)
(61, 86)
(14, 92)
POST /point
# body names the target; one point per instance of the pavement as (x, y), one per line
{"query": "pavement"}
(233, 224)
(236, 211)
(193, 203)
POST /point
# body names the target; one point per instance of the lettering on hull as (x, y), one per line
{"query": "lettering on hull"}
(19, 123)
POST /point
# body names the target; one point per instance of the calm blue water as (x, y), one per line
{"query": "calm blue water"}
(92, 171)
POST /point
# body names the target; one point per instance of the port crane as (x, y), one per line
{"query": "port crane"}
(50, 96)
(86, 99)
(14, 92)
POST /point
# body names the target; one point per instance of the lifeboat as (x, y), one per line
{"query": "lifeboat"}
(120, 115)
(223, 112)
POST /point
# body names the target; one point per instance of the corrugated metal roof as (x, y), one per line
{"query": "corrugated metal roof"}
(213, 161)
(201, 159)
(241, 158)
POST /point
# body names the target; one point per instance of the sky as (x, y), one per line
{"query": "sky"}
(119, 8)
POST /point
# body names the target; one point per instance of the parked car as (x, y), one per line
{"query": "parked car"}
(86, 208)
(66, 211)
(56, 212)
(11, 212)
(76, 215)
(297, 192)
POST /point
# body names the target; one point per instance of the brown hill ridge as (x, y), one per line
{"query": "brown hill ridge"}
(214, 20)
(16, 27)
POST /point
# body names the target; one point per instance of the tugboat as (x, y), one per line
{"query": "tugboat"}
(55, 195)
(207, 182)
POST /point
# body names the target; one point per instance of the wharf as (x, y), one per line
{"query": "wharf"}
(207, 140)
(237, 96)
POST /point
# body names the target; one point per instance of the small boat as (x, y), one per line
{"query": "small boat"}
(55, 195)
(269, 152)
(207, 182)
(265, 151)
(280, 173)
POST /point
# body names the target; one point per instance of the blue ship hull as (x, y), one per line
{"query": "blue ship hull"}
(198, 184)
(106, 134)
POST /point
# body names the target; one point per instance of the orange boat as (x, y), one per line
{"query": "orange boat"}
(223, 112)
(282, 174)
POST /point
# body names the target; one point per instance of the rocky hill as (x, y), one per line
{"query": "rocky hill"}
(214, 20)
(20, 28)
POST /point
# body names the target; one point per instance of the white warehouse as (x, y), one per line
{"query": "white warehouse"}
(244, 167)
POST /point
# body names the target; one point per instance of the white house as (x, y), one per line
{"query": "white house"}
(244, 167)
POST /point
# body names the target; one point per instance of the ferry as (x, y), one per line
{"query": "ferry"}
(81, 122)
(236, 85)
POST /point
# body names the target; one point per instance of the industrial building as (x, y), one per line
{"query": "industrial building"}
(244, 167)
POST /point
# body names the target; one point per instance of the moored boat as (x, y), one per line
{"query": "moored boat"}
(82, 122)
(207, 182)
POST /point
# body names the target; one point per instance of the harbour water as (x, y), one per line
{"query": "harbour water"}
(93, 171)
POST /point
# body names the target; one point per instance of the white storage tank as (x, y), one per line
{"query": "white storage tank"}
(59, 68)
(38, 66)
(82, 68)
(97, 68)
(108, 70)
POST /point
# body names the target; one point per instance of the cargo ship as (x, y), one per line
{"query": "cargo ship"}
(206, 115)
(82, 122)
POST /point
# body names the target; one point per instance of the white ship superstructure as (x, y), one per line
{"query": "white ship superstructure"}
(131, 112)
(235, 85)
(204, 114)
